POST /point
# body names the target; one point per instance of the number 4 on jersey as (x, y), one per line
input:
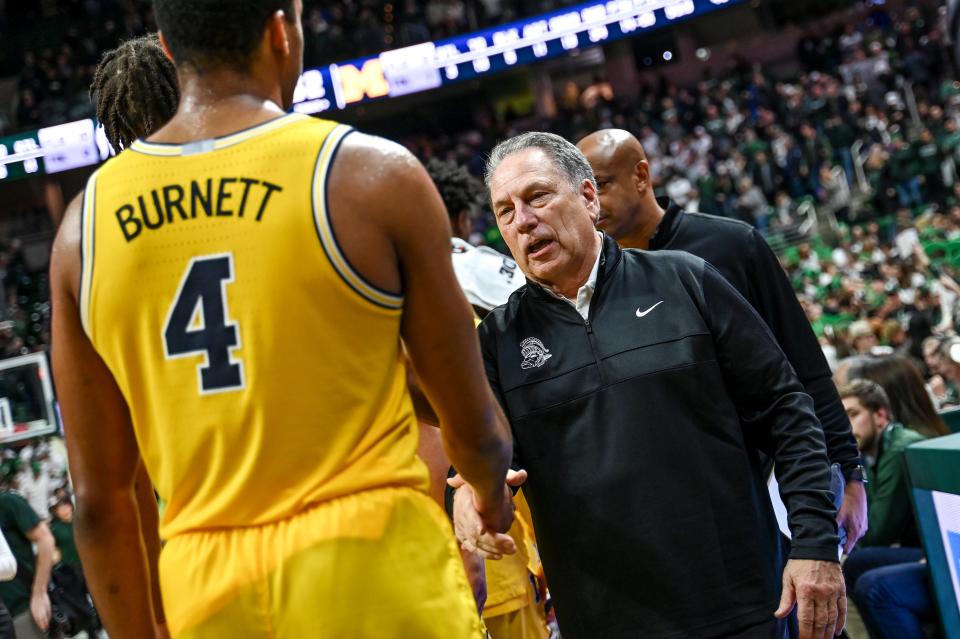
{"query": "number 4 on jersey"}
(197, 323)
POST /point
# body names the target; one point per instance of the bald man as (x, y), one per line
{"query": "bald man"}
(631, 214)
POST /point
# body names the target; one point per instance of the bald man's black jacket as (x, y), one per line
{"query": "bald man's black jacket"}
(641, 430)
(741, 254)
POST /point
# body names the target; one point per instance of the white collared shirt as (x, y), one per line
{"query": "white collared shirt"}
(585, 292)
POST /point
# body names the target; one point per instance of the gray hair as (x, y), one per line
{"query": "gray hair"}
(565, 156)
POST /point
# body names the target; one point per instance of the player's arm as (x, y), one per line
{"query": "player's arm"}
(404, 223)
(103, 454)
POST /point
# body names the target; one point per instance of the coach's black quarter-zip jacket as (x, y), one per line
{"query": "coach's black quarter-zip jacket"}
(640, 428)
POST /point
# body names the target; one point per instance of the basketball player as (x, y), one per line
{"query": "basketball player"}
(135, 90)
(208, 281)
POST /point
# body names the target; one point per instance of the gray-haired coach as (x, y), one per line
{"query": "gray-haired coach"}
(640, 387)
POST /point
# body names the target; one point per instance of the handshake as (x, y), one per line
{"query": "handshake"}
(480, 524)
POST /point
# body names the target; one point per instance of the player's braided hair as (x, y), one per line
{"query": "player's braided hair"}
(459, 190)
(135, 89)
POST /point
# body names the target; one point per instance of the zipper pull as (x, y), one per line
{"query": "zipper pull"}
(588, 325)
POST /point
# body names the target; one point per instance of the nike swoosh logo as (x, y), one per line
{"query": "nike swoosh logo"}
(642, 314)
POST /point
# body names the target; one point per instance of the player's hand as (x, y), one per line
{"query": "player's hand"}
(480, 528)
(40, 610)
(853, 514)
(818, 591)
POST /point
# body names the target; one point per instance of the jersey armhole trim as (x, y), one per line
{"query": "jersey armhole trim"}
(321, 219)
(87, 225)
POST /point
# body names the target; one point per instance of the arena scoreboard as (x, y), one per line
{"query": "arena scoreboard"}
(393, 73)
(431, 65)
(20, 156)
(53, 149)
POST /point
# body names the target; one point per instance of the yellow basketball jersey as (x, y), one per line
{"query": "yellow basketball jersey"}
(262, 373)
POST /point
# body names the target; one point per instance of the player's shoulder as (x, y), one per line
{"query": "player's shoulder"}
(65, 260)
(380, 176)
(388, 155)
(371, 162)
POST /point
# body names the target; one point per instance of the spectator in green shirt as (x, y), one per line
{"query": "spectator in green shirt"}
(61, 525)
(890, 517)
(882, 441)
(902, 169)
(949, 138)
(26, 595)
(928, 160)
(841, 137)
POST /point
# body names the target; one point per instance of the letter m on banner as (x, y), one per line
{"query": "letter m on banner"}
(368, 81)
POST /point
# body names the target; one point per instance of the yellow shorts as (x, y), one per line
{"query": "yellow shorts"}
(525, 623)
(381, 563)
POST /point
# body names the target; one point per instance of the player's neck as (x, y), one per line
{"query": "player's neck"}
(217, 104)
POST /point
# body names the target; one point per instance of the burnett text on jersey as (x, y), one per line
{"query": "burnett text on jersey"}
(215, 197)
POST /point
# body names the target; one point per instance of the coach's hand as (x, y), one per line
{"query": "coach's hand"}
(818, 590)
(469, 518)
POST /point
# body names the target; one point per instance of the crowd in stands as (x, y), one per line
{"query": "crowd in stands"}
(25, 307)
(38, 470)
(24, 294)
(53, 47)
(867, 133)
(745, 144)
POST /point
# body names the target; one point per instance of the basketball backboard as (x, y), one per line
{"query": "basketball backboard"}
(26, 398)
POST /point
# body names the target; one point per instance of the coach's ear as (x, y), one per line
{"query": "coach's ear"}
(165, 46)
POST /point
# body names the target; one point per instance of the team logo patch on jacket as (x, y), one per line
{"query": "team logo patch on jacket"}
(534, 353)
